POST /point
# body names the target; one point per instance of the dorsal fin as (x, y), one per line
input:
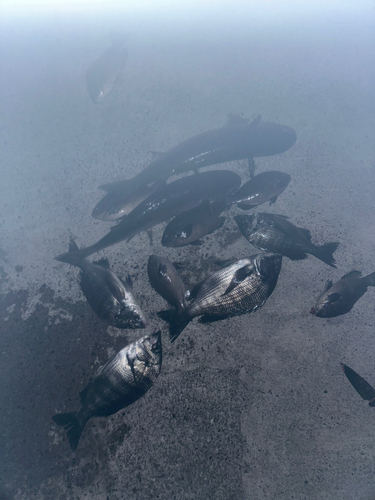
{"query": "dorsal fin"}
(102, 263)
(255, 122)
(236, 121)
(83, 393)
(306, 233)
(352, 274)
(328, 285)
(114, 289)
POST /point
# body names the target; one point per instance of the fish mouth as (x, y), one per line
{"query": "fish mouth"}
(313, 311)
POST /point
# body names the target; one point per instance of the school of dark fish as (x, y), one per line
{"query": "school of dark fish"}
(193, 206)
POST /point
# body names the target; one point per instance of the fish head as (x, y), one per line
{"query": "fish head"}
(178, 236)
(279, 182)
(100, 91)
(268, 265)
(247, 224)
(328, 305)
(150, 351)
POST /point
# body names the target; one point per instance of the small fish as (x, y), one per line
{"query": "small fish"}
(364, 389)
(166, 281)
(102, 74)
(238, 288)
(125, 377)
(339, 298)
(264, 187)
(170, 200)
(274, 233)
(188, 227)
(111, 299)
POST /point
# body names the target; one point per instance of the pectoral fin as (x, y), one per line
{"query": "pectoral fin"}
(364, 389)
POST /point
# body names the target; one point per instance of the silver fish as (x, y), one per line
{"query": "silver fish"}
(238, 288)
(125, 377)
(102, 74)
(111, 299)
(188, 227)
(339, 298)
(274, 233)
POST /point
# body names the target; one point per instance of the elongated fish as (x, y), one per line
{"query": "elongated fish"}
(167, 202)
(237, 140)
(264, 187)
(125, 377)
(111, 299)
(274, 233)
(339, 298)
(102, 74)
(188, 227)
(239, 288)
(166, 281)
(364, 389)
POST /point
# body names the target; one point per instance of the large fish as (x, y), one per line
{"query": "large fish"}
(167, 202)
(274, 233)
(111, 299)
(264, 187)
(339, 298)
(238, 288)
(238, 140)
(166, 281)
(188, 227)
(364, 389)
(104, 71)
(125, 377)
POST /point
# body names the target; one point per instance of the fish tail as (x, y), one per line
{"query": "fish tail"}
(370, 279)
(73, 426)
(325, 253)
(177, 321)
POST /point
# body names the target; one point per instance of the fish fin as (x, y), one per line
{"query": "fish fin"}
(306, 233)
(239, 276)
(72, 425)
(352, 274)
(196, 243)
(195, 290)
(370, 279)
(255, 122)
(131, 364)
(115, 290)
(325, 253)
(273, 200)
(74, 256)
(210, 318)
(73, 247)
(334, 297)
(129, 281)
(364, 389)
(115, 186)
(224, 263)
(244, 206)
(328, 285)
(234, 120)
(157, 155)
(252, 167)
(83, 393)
(177, 321)
(102, 263)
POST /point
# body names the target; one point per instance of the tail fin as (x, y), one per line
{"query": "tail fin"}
(325, 253)
(370, 279)
(73, 426)
(74, 256)
(177, 321)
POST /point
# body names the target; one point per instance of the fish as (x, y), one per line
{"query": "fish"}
(121, 381)
(241, 287)
(166, 281)
(339, 298)
(111, 299)
(264, 187)
(169, 201)
(239, 139)
(364, 389)
(188, 227)
(104, 71)
(274, 233)
(124, 205)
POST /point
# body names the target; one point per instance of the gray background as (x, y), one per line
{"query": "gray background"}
(255, 407)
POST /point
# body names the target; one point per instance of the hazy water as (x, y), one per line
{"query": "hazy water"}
(262, 414)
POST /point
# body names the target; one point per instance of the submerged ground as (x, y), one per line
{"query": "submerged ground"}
(254, 407)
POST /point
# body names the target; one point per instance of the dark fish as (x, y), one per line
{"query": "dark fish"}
(188, 227)
(125, 377)
(110, 298)
(124, 205)
(102, 74)
(339, 298)
(170, 200)
(364, 389)
(264, 187)
(239, 288)
(274, 233)
(166, 281)
(238, 140)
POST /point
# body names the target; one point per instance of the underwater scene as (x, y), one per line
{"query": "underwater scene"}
(187, 242)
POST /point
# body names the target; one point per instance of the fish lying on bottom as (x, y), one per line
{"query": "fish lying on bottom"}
(111, 299)
(125, 377)
(364, 389)
(274, 233)
(238, 288)
(339, 298)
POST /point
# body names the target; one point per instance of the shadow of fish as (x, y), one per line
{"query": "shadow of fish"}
(104, 71)
(339, 298)
(274, 233)
(237, 140)
(169, 201)
(364, 389)
(125, 377)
